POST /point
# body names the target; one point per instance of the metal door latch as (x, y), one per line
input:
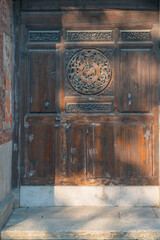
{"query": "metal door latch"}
(47, 104)
(129, 99)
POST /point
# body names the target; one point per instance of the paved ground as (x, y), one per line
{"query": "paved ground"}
(83, 223)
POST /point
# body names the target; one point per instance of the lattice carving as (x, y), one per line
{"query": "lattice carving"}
(97, 35)
(89, 107)
(135, 36)
(89, 71)
(44, 36)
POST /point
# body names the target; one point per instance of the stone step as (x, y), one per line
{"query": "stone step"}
(83, 223)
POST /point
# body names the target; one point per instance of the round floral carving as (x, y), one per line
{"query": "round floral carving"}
(89, 71)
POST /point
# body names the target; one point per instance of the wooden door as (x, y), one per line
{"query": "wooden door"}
(89, 96)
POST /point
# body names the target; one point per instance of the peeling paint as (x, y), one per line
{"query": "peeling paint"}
(31, 137)
(147, 135)
(32, 173)
(26, 124)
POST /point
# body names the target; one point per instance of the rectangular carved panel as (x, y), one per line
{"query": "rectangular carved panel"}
(89, 35)
(135, 80)
(42, 76)
(120, 152)
(89, 107)
(135, 35)
(101, 161)
(40, 155)
(44, 36)
(133, 152)
(72, 148)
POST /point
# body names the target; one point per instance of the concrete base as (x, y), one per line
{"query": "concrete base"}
(5, 170)
(36, 196)
(6, 208)
(16, 197)
(83, 223)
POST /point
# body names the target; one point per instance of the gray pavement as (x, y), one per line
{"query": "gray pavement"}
(83, 223)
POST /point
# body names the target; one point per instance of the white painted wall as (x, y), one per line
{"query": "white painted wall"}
(5, 169)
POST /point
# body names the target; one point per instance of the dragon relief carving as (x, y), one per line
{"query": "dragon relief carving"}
(89, 71)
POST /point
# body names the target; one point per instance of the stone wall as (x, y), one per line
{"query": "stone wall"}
(6, 41)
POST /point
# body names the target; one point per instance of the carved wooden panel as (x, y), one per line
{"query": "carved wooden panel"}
(89, 35)
(44, 36)
(135, 80)
(42, 78)
(89, 107)
(89, 72)
(135, 35)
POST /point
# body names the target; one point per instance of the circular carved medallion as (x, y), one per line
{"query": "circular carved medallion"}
(89, 71)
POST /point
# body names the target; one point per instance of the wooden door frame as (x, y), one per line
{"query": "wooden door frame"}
(16, 98)
(17, 95)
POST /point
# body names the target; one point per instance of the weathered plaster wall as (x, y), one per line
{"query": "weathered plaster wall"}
(5, 71)
(5, 108)
(5, 170)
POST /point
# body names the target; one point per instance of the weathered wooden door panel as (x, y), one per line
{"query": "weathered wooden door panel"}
(89, 112)
(135, 77)
(76, 150)
(133, 161)
(42, 69)
(40, 154)
(101, 161)
(107, 153)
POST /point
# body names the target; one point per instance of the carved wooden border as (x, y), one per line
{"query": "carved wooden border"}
(44, 36)
(89, 35)
(89, 107)
(135, 35)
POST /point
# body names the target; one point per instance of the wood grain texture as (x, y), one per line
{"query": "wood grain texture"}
(42, 81)
(70, 142)
(135, 77)
(116, 4)
(40, 155)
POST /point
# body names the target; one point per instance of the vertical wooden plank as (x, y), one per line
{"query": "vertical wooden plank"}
(89, 132)
(98, 150)
(40, 154)
(76, 154)
(16, 95)
(135, 80)
(42, 81)
(120, 151)
(134, 151)
(155, 98)
(109, 170)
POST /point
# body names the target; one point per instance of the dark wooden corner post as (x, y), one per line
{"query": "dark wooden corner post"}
(16, 94)
(159, 96)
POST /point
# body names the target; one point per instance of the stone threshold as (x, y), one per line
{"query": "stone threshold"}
(83, 223)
